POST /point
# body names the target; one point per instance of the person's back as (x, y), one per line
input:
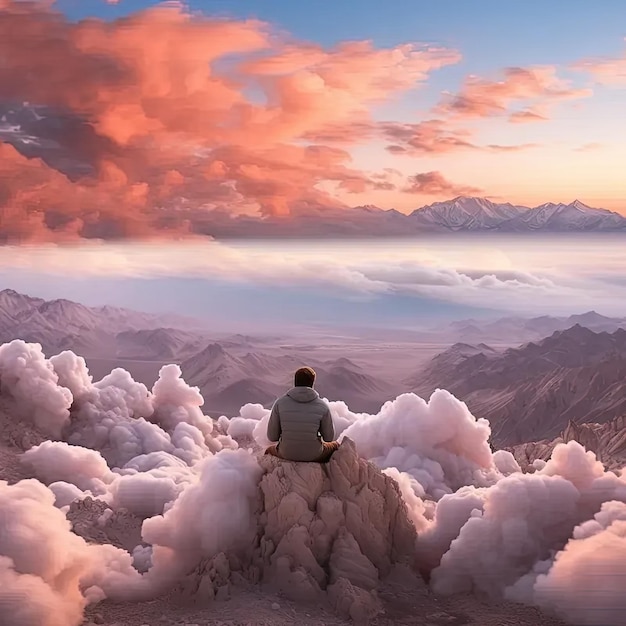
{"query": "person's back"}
(301, 423)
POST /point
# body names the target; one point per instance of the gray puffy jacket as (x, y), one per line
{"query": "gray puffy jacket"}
(299, 421)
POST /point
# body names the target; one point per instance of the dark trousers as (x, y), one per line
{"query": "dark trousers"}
(329, 448)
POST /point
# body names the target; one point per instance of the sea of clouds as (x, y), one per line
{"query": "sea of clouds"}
(555, 538)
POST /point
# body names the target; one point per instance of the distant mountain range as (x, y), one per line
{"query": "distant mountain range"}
(529, 393)
(479, 214)
(228, 381)
(462, 215)
(516, 330)
(230, 371)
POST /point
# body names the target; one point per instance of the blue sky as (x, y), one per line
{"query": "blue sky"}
(492, 33)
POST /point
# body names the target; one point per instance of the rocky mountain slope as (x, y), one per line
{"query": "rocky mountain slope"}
(103, 331)
(529, 393)
(607, 441)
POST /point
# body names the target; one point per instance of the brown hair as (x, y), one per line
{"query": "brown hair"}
(304, 377)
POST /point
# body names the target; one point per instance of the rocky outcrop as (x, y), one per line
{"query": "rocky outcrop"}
(328, 532)
(95, 522)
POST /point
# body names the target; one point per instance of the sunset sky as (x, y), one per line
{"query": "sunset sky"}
(269, 107)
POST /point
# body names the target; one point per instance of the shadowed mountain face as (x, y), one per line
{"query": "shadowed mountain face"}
(530, 393)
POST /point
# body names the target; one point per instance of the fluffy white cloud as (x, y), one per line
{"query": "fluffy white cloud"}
(484, 525)
(518, 275)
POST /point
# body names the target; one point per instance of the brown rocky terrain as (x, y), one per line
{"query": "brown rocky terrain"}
(530, 393)
(607, 441)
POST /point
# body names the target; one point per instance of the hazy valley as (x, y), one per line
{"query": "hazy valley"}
(528, 376)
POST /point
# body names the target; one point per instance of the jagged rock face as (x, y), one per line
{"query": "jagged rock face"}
(325, 532)
(335, 528)
(607, 441)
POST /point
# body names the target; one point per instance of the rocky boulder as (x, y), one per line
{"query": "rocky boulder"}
(326, 533)
(332, 529)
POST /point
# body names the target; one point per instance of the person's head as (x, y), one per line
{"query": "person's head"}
(304, 377)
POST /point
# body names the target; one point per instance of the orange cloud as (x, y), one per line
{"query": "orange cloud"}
(430, 136)
(312, 89)
(485, 98)
(434, 137)
(164, 115)
(435, 184)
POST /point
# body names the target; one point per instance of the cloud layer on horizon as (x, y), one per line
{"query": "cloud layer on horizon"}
(521, 279)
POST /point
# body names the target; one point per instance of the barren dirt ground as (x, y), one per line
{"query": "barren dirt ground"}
(406, 602)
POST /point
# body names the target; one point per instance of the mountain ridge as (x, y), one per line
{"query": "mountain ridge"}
(519, 330)
(462, 214)
(528, 393)
(468, 213)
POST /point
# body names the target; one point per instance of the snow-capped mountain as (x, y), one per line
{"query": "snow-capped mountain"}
(566, 217)
(478, 214)
(464, 213)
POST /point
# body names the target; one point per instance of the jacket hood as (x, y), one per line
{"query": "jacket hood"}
(303, 394)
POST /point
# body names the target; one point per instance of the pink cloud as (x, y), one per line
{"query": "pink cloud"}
(480, 97)
(168, 130)
(606, 71)
(528, 115)
(430, 136)
(435, 184)
(589, 147)
(436, 137)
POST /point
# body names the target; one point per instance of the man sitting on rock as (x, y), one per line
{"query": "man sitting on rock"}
(301, 423)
